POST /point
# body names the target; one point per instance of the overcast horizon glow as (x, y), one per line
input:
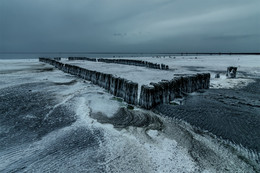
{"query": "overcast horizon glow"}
(129, 26)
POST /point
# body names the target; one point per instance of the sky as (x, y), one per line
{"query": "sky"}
(138, 26)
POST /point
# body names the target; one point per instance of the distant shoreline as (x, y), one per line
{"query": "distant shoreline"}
(34, 55)
(134, 53)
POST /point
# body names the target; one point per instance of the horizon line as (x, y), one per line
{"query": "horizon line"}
(183, 53)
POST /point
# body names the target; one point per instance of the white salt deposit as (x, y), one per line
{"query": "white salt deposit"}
(126, 150)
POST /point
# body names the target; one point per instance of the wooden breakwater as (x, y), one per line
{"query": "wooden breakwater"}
(151, 95)
(124, 62)
(119, 87)
(82, 58)
(167, 90)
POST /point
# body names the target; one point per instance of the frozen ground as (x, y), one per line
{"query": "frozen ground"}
(248, 63)
(53, 122)
(183, 65)
(46, 126)
(140, 75)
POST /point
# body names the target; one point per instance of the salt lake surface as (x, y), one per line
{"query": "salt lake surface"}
(54, 122)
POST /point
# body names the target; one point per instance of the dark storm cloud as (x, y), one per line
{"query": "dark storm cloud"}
(130, 25)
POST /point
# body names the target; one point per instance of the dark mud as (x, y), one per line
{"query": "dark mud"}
(33, 135)
(67, 153)
(232, 114)
(27, 114)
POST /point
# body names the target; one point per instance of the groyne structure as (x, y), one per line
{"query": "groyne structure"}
(167, 90)
(125, 62)
(150, 95)
(82, 58)
(135, 63)
(119, 87)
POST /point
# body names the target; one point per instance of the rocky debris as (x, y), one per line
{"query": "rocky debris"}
(231, 72)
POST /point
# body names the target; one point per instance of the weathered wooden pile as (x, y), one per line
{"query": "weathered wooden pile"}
(57, 58)
(151, 95)
(231, 72)
(119, 87)
(82, 58)
(165, 91)
(135, 63)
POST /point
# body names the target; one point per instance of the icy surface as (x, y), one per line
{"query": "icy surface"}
(215, 64)
(46, 127)
(212, 62)
(116, 151)
(182, 65)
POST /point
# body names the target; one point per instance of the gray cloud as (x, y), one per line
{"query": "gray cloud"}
(120, 34)
(130, 25)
